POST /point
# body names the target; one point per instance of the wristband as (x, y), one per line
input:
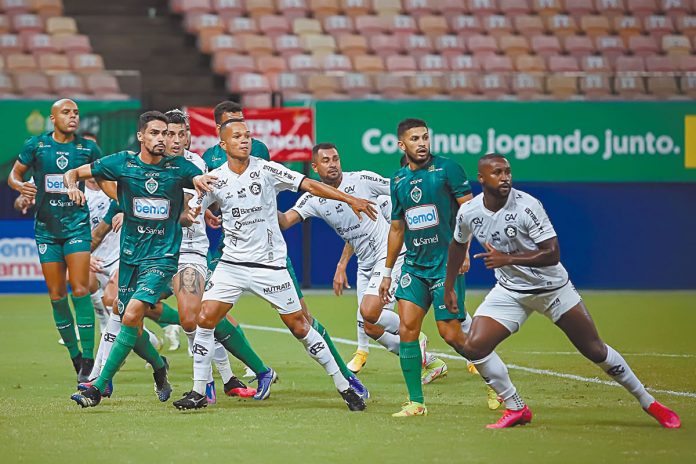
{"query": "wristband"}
(387, 272)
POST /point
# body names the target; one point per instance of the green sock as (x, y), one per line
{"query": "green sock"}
(170, 316)
(65, 325)
(411, 363)
(234, 341)
(144, 348)
(84, 315)
(124, 343)
(337, 356)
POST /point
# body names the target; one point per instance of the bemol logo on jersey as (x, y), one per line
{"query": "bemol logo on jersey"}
(151, 208)
(422, 217)
(53, 183)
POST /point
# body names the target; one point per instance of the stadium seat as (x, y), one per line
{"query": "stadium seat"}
(528, 86)
(271, 64)
(248, 84)
(303, 64)
(642, 45)
(676, 8)
(288, 83)
(419, 45)
(629, 86)
(192, 6)
(578, 45)
(20, 62)
(226, 62)
(529, 26)
(400, 63)
(595, 64)
(493, 86)
(418, 8)
(67, 83)
(53, 62)
(72, 44)
(641, 8)
(304, 26)
(497, 64)
(514, 8)
(659, 26)
(32, 84)
(87, 63)
(259, 100)
(13, 7)
(497, 25)
(546, 45)
(482, 45)
(610, 8)
(466, 25)
(228, 8)
(579, 8)
(686, 25)
(258, 8)
(224, 43)
(391, 86)
(513, 45)
(562, 25)
(368, 25)
(545, 8)
(464, 63)
(318, 45)
(321, 85)
(595, 25)
(384, 45)
(287, 45)
(627, 26)
(203, 24)
(293, 9)
(687, 63)
(368, 63)
(355, 8)
(629, 64)
(530, 64)
(426, 85)
(561, 87)
(274, 25)
(352, 44)
(610, 46)
(356, 85)
(400, 25)
(61, 25)
(676, 45)
(323, 8)
(688, 86)
(337, 25)
(481, 8)
(387, 7)
(449, 8)
(657, 63)
(563, 64)
(257, 45)
(335, 63)
(662, 86)
(595, 86)
(10, 43)
(48, 8)
(460, 85)
(4, 24)
(242, 26)
(433, 63)
(6, 85)
(32, 23)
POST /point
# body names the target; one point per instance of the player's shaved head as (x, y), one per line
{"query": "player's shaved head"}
(59, 104)
(490, 157)
(65, 117)
(494, 175)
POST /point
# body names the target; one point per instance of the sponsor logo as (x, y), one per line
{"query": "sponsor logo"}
(220, 183)
(130, 164)
(254, 174)
(208, 285)
(322, 201)
(121, 308)
(420, 241)
(151, 186)
(316, 348)
(477, 221)
(75, 241)
(510, 217)
(555, 303)
(350, 189)
(339, 208)
(616, 370)
(533, 216)
(199, 349)
(379, 180)
(416, 194)
(345, 230)
(152, 174)
(277, 288)
(255, 188)
(151, 208)
(241, 193)
(61, 203)
(42, 248)
(495, 236)
(238, 224)
(416, 181)
(422, 217)
(511, 231)
(291, 300)
(53, 183)
(151, 231)
(405, 280)
(62, 162)
(269, 233)
(236, 213)
(109, 337)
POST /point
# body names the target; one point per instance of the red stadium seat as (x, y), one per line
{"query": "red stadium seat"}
(493, 86)
(67, 83)
(658, 63)
(595, 64)
(193, 6)
(481, 8)
(466, 25)
(688, 86)
(387, 7)
(578, 45)
(426, 85)
(659, 26)
(324, 8)
(561, 87)
(355, 8)
(10, 43)
(546, 45)
(337, 25)
(676, 45)
(562, 25)
(318, 45)
(368, 63)
(547, 7)
(497, 64)
(419, 45)
(687, 63)
(224, 43)
(248, 83)
(595, 86)
(242, 26)
(368, 25)
(288, 83)
(630, 64)
(595, 25)
(610, 46)
(258, 8)
(306, 26)
(271, 64)
(322, 86)
(274, 25)
(529, 26)
(257, 45)
(482, 45)
(400, 63)
(528, 86)
(433, 26)
(513, 45)
(561, 64)
(31, 23)
(391, 86)
(642, 45)
(226, 62)
(41, 43)
(465, 63)
(686, 25)
(497, 25)
(515, 7)
(32, 85)
(662, 86)
(356, 85)
(641, 8)
(530, 64)
(87, 63)
(676, 8)
(628, 26)
(449, 45)
(336, 63)
(20, 62)
(73, 43)
(287, 45)
(418, 8)
(450, 8)
(433, 63)
(384, 45)
(260, 100)
(54, 62)
(579, 8)
(303, 64)
(102, 83)
(629, 86)
(292, 9)
(228, 8)
(352, 44)
(401, 25)
(4, 24)
(610, 8)
(460, 85)
(13, 7)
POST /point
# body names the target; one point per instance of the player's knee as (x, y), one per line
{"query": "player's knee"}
(187, 320)
(79, 290)
(474, 348)
(373, 331)
(595, 351)
(370, 309)
(298, 326)
(206, 320)
(57, 293)
(450, 336)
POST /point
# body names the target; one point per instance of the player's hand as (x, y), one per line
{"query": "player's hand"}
(117, 222)
(76, 195)
(360, 205)
(493, 258)
(384, 294)
(28, 190)
(24, 203)
(95, 264)
(340, 280)
(451, 301)
(193, 214)
(204, 183)
(213, 221)
(466, 265)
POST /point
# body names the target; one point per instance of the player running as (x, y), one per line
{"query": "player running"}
(369, 241)
(62, 226)
(150, 192)
(522, 247)
(254, 257)
(425, 195)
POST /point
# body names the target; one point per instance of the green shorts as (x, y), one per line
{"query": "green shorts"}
(54, 250)
(145, 282)
(425, 292)
(295, 282)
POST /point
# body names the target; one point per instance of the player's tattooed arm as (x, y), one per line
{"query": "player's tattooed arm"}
(98, 234)
(456, 255)
(70, 180)
(358, 205)
(548, 254)
(288, 219)
(16, 180)
(394, 244)
(340, 280)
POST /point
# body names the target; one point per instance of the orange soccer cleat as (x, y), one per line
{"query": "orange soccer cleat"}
(512, 417)
(665, 416)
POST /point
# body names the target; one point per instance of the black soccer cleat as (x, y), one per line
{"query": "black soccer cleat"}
(85, 370)
(88, 398)
(162, 387)
(191, 400)
(77, 363)
(353, 400)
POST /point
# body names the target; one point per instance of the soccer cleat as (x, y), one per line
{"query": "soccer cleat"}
(433, 370)
(411, 408)
(77, 363)
(358, 361)
(512, 417)
(665, 416)
(493, 400)
(210, 392)
(171, 336)
(85, 370)
(105, 394)
(162, 387)
(191, 400)
(235, 387)
(423, 344)
(248, 373)
(354, 401)
(265, 380)
(471, 367)
(358, 387)
(88, 398)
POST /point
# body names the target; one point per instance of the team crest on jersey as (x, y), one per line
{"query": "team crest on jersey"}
(416, 194)
(42, 248)
(405, 280)
(62, 162)
(255, 188)
(151, 186)
(511, 231)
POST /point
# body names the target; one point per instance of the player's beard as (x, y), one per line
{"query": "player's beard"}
(417, 162)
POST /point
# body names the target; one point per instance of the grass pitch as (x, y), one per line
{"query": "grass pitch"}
(305, 420)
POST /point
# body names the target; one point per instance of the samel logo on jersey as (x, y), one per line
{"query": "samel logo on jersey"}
(422, 217)
(151, 208)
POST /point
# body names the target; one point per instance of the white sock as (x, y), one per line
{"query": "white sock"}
(153, 338)
(466, 324)
(618, 369)
(363, 338)
(317, 349)
(389, 321)
(96, 369)
(113, 328)
(190, 336)
(100, 309)
(203, 348)
(495, 374)
(222, 362)
(390, 342)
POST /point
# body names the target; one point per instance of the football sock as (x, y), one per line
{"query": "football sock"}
(203, 349)
(411, 362)
(316, 325)
(100, 310)
(390, 342)
(389, 321)
(363, 338)
(316, 347)
(222, 362)
(125, 341)
(466, 324)
(65, 325)
(145, 349)
(113, 328)
(169, 316)
(84, 316)
(618, 369)
(96, 369)
(152, 337)
(495, 374)
(190, 336)
(233, 339)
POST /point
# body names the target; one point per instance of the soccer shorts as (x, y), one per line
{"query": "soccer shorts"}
(295, 282)
(54, 250)
(426, 292)
(229, 281)
(145, 282)
(195, 261)
(511, 308)
(106, 273)
(369, 280)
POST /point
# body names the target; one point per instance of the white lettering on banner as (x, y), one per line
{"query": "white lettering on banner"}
(19, 259)
(53, 183)
(151, 208)
(422, 217)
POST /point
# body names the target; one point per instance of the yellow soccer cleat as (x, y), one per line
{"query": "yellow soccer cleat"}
(359, 360)
(433, 370)
(411, 408)
(471, 368)
(493, 400)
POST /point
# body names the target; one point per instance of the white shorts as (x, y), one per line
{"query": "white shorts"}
(369, 280)
(193, 261)
(229, 281)
(511, 308)
(106, 273)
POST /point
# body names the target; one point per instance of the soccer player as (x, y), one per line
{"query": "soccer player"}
(254, 257)
(425, 195)
(62, 226)
(367, 238)
(150, 191)
(522, 247)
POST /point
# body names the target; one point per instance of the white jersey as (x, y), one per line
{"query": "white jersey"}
(250, 211)
(194, 239)
(368, 238)
(98, 203)
(517, 227)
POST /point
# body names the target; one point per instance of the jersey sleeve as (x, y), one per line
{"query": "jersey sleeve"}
(207, 156)
(461, 228)
(538, 224)
(457, 180)
(305, 207)
(109, 167)
(188, 172)
(28, 154)
(397, 211)
(281, 177)
(377, 184)
(113, 210)
(96, 152)
(260, 150)
(385, 206)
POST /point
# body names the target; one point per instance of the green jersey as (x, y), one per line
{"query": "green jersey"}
(152, 199)
(426, 200)
(215, 156)
(56, 215)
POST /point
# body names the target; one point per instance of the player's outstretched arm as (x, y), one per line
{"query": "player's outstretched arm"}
(70, 180)
(16, 180)
(358, 205)
(395, 242)
(548, 254)
(340, 280)
(288, 219)
(204, 183)
(456, 255)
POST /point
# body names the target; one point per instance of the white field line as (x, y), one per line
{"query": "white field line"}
(530, 370)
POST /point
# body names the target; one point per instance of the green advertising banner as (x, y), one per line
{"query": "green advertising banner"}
(24, 118)
(545, 141)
